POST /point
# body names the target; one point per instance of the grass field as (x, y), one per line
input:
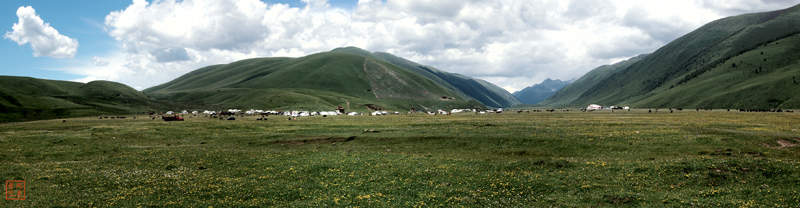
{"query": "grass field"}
(538, 159)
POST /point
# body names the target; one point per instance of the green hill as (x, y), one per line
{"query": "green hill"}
(467, 87)
(697, 70)
(25, 98)
(316, 82)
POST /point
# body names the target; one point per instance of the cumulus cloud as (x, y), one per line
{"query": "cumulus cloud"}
(98, 62)
(511, 43)
(44, 39)
(663, 29)
(581, 10)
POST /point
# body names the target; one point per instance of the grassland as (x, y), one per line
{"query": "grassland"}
(538, 159)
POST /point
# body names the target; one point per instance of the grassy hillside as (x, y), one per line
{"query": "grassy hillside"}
(664, 76)
(185, 79)
(319, 81)
(570, 95)
(468, 87)
(755, 79)
(24, 98)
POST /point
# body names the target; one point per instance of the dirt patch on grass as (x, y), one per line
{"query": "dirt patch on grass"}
(784, 143)
(315, 141)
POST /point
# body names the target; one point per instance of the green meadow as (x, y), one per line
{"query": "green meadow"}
(537, 159)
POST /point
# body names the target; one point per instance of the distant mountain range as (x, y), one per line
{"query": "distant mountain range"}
(539, 92)
(745, 61)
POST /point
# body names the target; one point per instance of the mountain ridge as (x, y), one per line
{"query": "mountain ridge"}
(539, 92)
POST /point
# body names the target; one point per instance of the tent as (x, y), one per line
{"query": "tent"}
(594, 107)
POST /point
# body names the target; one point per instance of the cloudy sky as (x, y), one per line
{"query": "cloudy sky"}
(511, 43)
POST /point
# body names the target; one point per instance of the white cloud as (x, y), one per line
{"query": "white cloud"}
(736, 7)
(98, 62)
(511, 43)
(44, 39)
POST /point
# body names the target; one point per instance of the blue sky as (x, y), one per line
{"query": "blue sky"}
(77, 19)
(510, 43)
